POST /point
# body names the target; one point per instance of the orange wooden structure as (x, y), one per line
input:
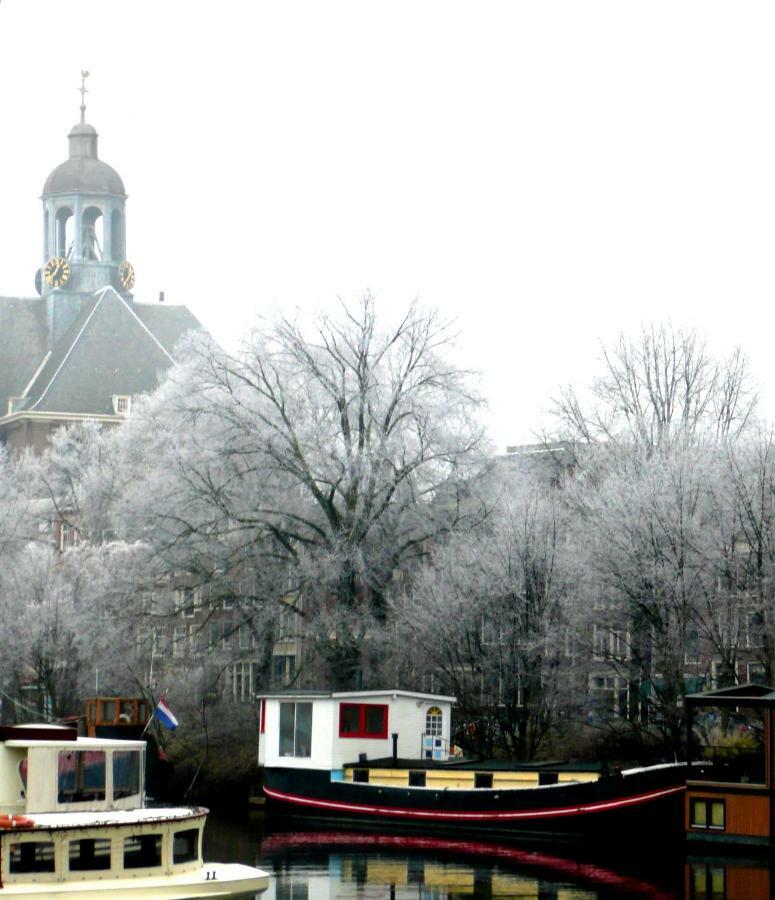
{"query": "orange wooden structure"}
(730, 795)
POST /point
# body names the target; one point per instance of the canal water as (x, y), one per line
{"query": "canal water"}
(314, 864)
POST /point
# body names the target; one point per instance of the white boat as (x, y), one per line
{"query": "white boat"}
(74, 824)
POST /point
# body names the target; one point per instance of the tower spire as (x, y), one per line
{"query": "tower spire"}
(84, 92)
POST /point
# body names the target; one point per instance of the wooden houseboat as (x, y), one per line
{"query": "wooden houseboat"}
(74, 824)
(730, 798)
(384, 757)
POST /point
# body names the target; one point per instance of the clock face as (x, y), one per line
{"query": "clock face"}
(126, 275)
(57, 271)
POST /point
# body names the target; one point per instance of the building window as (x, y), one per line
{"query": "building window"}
(296, 729)
(244, 680)
(179, 640)
(159, 647)
(433, 722)
(707, 813)
(283, 669)
(68, 536)
(122, 404)
(186, 601)
(363, 720)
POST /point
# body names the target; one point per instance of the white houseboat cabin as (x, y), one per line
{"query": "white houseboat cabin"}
(327, 730)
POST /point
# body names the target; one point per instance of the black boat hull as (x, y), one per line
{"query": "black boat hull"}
(649, 800)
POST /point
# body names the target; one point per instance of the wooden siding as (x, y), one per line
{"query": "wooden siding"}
(748, 883)
(746, 814)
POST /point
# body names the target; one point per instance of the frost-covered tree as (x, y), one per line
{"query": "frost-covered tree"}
(657, 388)
(319, 462)
(490, 615)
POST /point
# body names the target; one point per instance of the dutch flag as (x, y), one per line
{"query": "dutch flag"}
(164, 714)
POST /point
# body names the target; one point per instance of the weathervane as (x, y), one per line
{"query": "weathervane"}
(84, 92)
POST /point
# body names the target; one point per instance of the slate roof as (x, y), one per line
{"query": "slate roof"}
(112, 347)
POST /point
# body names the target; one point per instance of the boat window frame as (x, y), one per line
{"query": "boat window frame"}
(362, 710)
(707, 803)
(27, 842)
(299, 750)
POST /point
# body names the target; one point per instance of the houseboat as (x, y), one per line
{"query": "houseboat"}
(730, 799)
(383, 758)
(74, 824)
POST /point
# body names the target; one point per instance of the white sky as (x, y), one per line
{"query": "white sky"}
(547, 173)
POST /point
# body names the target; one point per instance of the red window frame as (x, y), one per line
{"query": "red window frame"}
(361, 732)
(263, 717)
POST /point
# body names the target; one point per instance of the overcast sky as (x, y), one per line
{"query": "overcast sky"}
(546, 173)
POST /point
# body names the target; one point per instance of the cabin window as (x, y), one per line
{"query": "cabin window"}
(361, 776)
(363, 720)
(81, 776)
(482, 779)
(89, 855)
(706, 813)
(126, 773)
(31, 856)
(185, 845)
(433, 722)
(707, 882)
(296, 729)
(416, 779)
(107, 712)
(142, 851)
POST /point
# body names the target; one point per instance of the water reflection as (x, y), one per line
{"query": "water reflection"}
(315, 865)
(312, 865)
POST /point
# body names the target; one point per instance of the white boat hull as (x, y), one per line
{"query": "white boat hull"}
(212, 880)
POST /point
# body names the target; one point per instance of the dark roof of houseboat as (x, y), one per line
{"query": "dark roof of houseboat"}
(737, 695)
(479, 765)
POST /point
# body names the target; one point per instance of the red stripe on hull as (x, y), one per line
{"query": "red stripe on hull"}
(401, 812)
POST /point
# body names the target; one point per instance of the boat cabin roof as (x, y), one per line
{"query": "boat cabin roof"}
(299, 694)
(738, 695)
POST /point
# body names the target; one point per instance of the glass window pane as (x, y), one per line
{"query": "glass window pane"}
(717, 879)
(126, 773)
(303, 729)
(717, 814)
(699, 880)
(142, 851)
(89, 854)
(32, 856)
(81, 776)
(107, 711)
(287, 724)
(185, 845)
(376, 720)
(349, 718)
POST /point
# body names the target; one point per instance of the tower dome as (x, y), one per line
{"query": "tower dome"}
(84, 228)
(84, 172)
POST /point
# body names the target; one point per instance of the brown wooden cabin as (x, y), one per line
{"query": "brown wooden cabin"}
(116, 717)
(730, 792)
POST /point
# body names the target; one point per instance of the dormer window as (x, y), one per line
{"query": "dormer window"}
(122, 404)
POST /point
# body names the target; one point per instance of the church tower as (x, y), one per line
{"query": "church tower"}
(84, 229)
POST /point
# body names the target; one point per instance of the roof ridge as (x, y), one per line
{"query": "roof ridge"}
(100, 296)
